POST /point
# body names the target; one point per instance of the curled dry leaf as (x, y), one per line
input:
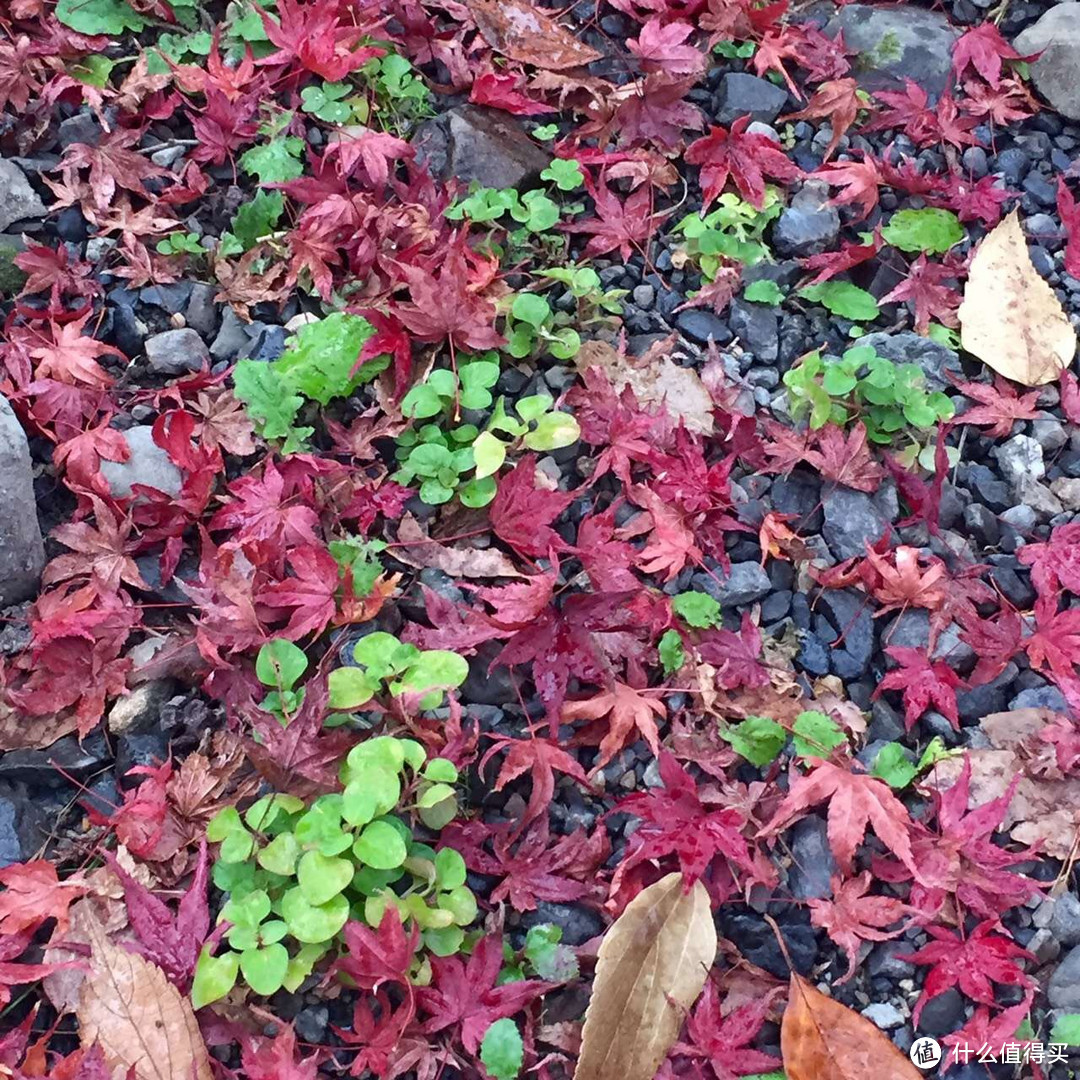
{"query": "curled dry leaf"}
(141, 1022)
(524, 33)
(415, 548)
(1042, 810)
(1010, 317)
(820, 1039)
(651, 967)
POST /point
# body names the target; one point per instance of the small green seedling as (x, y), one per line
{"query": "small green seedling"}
(733, 230)
(532, 328)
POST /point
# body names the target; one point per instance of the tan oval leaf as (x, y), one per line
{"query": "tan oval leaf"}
(137, 1016)
(524, 33)
(820, 1039)
(1010, 318)
(651, 967)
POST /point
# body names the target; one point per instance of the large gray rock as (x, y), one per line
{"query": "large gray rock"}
(148, 465)
(746, 583)
(22, 554)
(1063, 990)
(852, 520)
(747, 95)
(18, 200)
(907, 347)
(482, 145)
(897, 43)
(809, 225)
(1057, 36)
(176, 352)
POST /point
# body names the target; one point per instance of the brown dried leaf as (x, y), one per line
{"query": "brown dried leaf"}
(651, 967)
(415, 548)
(140, 1020)
(655, 379)
(1010, 317)
(820, 1039)
(1042, 810)
(524, 33)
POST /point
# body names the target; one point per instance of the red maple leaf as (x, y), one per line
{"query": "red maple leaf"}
(1054, 646)
(379, 955)
(372, 150)
(983, 47)
(655, 111)
(112, 164)
(618, 224)
(33, 893)
(837, 99)
(991, 1036)
(858, 180)
(924, 124)
(101, 553)
(12, 974)
(924, 683)
(531, 866)
(995, 641)
(830, 263)
(744, 157)
(671, 541)
(444, 306)
(275, 1058)
(561, 644)
(69, 355)
(999, 406)
(970, 963)
(851, 917)
(631, 714)
(1070, 220)
(1070, 394)
(522, 513)
(660, 47)
(724, 1040)
(736, 656)
(540, 758)
(973, 200)
(312, 36)
(1055, 563)
(504, 92)
(898, 581)
(1010, 102)
(846, 459)
(464, 996)
(855, 801)
(676, 822)
(960, 858)
(928, 296)
(172, 941)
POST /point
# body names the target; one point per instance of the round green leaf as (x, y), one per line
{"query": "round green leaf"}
(371, 792)
(380, 846)
(262, 814)
(280, 855)
(434, 668)
(489, 453)
(461, 903)
(553, 431)
(437, 806)
(215, 976)
(444, 940)
(478, 492)
(815, 734)
(279, 664)
(350, 688)
(530, 308)
(224, 823)
(449, 868)
(322, 877)
(441, 770)
(264, 969)
(312, 923)
(435, 493)
(421, 402)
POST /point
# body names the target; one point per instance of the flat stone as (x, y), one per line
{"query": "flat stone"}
(907, 347)
(1068, 492)
(176, 352)
(701, 327)
(18, 200)
(1065, 920)
(847, 610)
(148, 465)
(201, 311)
(471, 143)
(746, 583)
(232, 339)
(22, 554)
(943, 1013)
(138, 709)
(894, 44)
(883, 1015)
(755, 325)
(747, 95)
(852, 520)
(1020, 460)
(808, 226)
(812, 862)
(1057, 36)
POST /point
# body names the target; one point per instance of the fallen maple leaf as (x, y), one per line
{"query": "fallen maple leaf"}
(33, 893)
(526, 34)
(1010, 317)
(837, 99)
(923, 682)
(999, 406)
(629, 712)
(983, 47)
(652, 964)
(522, 512)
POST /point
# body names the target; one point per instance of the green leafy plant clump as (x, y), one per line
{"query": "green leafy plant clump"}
(760, 739)
(295, 872)
(734, 230)
(885, 396)
(322, 363)
(463, 459)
